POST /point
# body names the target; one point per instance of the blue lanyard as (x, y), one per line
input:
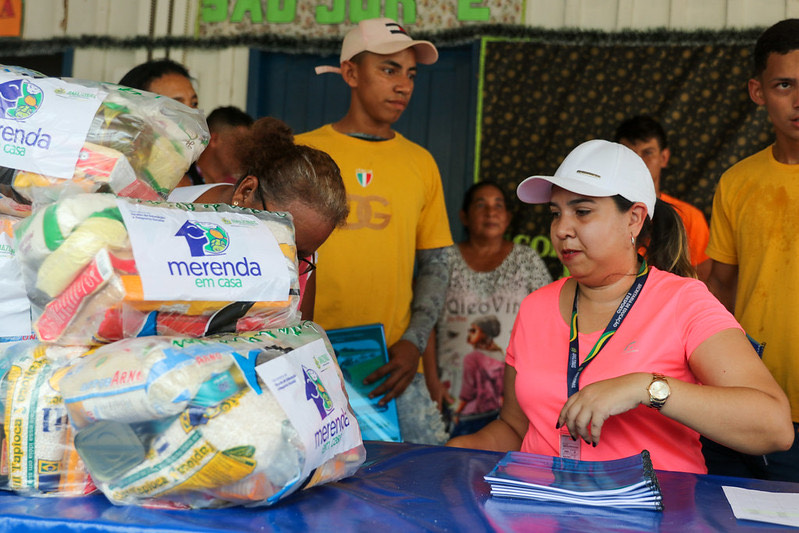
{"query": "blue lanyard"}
(573, 371)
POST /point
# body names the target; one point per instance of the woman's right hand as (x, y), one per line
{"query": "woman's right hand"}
(585, 411)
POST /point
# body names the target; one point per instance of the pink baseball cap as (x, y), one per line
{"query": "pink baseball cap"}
(381, 36)
(596, 168)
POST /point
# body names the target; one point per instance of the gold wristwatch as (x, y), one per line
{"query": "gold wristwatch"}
(659, 391)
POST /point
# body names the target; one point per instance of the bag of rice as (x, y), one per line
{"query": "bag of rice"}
(98, 268)
(224, 420)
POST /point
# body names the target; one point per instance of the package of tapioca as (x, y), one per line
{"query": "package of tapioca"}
(38, 453)
(64, 136)
(224, 420)
(100, 268)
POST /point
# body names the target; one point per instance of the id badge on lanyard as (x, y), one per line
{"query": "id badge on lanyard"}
(570, 448)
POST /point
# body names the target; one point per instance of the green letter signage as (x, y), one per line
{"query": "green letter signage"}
(275, 14)
(359, 13)
(408, 11)
(467, 11)
(213, 10)
(331, 15)
(244, 6)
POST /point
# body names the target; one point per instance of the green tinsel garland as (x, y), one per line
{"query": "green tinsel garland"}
(450, 37)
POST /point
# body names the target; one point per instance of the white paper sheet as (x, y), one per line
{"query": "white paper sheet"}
(773, 507)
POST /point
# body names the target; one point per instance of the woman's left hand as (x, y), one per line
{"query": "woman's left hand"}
(586, 410)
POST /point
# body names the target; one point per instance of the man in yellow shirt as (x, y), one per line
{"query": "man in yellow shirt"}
(397, 215)
(753, 244)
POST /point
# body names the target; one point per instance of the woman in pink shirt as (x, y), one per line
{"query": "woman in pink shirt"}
(623, 355)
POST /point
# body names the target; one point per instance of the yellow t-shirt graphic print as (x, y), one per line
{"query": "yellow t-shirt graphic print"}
(396, 207)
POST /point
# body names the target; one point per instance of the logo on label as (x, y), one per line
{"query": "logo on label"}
(364, 177)
(48, 467)
(54, 419)
(203, 238)
(315, 390)
(20, 99)
(83, 95)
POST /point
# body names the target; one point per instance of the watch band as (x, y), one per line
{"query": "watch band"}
(658, 403)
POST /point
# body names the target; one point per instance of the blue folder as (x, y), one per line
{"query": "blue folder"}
(360, 350)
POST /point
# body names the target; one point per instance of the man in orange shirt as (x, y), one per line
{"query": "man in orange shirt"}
(645, 136)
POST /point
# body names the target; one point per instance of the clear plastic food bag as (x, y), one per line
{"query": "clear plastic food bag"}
(15, 308)
(226, 420)
(127, 142)
(99, 268)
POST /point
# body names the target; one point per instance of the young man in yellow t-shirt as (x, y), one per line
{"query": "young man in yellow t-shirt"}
(397, 216)
(753, 244)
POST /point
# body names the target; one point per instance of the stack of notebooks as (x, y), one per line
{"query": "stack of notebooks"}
(621, 483)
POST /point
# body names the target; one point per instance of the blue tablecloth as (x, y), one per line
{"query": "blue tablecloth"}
(403, 488)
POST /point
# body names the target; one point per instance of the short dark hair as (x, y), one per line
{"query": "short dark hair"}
(641, 128)
(228, 116)
(141, 76)
(358, 58)
(781, 38)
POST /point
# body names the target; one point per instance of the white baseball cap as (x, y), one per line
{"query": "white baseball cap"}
(596, 168)
(381, 36)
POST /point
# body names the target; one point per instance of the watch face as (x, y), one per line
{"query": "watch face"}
(659, 390)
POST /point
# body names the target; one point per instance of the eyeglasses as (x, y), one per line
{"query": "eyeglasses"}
(306, 266)
(261, 196)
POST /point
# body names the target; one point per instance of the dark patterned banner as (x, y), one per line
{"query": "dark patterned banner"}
(540, 100)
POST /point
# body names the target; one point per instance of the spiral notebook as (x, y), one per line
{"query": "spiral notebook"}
(629, 482)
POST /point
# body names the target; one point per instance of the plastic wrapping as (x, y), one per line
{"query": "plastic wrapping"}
(12, 205)
(39, 456)
(15, 309)
(138, 144)
(86, 281)
(213, 422)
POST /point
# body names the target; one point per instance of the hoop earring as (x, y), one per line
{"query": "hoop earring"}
(236, 203)
(632, 240)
